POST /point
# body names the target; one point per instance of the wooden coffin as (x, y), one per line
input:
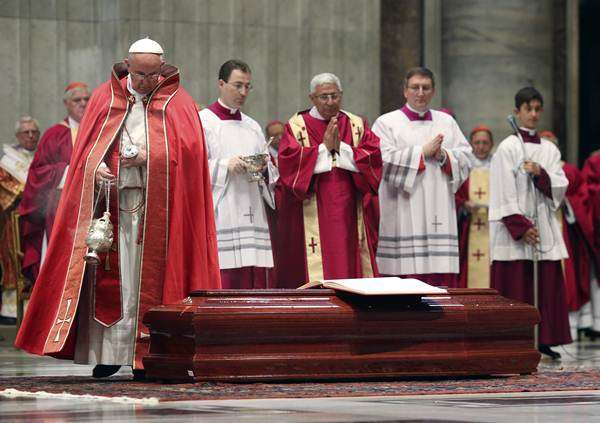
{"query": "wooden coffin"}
(268, 335)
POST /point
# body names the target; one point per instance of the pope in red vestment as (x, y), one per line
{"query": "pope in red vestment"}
(177, 236)
(328, 214)
(42, 191)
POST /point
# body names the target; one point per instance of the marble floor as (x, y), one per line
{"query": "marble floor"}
(581, 406)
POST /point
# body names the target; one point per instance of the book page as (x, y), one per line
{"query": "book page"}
(380, 286)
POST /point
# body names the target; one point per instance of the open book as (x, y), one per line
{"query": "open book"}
(378, 286)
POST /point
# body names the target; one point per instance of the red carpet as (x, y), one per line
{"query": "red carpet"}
(123, 386)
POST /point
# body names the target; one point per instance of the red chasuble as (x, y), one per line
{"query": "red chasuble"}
(179, 237)
(327, 222)
(579, 238)
(37, 209)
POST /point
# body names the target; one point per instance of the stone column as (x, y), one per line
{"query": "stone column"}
(46, 44)
(572, 132)
(401, 47)
(432, 47)
(491, 50)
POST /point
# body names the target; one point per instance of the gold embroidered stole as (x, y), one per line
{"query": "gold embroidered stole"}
(73, 132)
(479, 231)
(312, 236)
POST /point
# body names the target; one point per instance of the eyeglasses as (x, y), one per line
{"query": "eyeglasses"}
(241, 87)
(29, 132)
(417, 88)
(80, 99)
(332, 96)
(142, 75)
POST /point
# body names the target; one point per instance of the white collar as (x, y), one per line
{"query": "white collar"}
(421, 114)
(72, 123)
(315, 113)
(531, 132)
(231, 111)
(481, 163)
(18, 149)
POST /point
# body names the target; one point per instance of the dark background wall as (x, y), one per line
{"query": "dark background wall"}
(589, 81)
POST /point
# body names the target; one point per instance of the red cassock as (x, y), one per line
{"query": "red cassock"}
(579, 238)
(179, 237)
(339, 221)
(591, 174)
(272, 219)
(552, 304)
(37, 209)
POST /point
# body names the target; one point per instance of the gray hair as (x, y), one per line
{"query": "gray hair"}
(25, 119)
(324, 78)
(130, 56)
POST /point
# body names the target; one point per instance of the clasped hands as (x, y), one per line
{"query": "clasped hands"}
(532, 168)
(433, 149)
(331, 138)
(103, 173)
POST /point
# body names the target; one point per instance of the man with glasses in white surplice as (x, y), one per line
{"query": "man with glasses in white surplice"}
(241, 173)
(425, 158)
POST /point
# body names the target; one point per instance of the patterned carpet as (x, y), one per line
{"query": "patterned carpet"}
(123, 386)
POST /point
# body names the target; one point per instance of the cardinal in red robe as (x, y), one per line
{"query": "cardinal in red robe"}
(591, 175)
(330, 168)
(80, 310)
(46, 178)
(578, 233)
(579, 236)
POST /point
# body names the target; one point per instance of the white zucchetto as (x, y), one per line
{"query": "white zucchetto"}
(146, 45)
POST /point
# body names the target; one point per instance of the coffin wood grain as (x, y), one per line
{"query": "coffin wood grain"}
(273, 335)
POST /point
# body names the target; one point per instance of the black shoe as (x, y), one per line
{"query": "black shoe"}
(139, 375)
(8, 321)
(104, 370)
(545, 349)
(591, 333)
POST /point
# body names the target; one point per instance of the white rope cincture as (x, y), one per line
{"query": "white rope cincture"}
(15, 393)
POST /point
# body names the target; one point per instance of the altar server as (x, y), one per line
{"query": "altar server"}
(527, 186)
(426, 160)
(237, 156)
